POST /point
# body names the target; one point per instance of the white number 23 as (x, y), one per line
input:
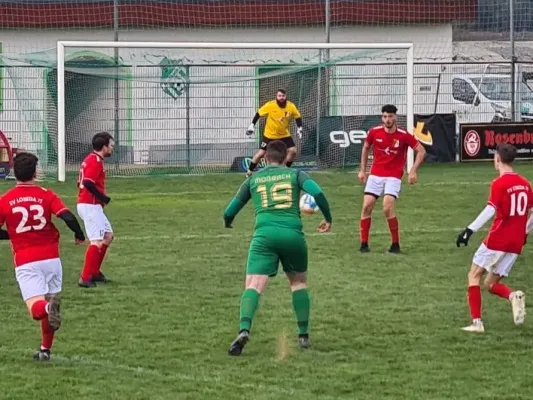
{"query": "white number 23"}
(25, 214)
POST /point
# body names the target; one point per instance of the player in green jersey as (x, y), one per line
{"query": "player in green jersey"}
(278, 237)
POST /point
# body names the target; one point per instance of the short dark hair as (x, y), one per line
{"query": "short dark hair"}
(276, 151)
(507, 153)
(25, 166)
(282, 91)
(100, 140)
(389, 108)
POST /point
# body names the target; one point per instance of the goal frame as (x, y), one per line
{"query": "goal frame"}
(63, 44)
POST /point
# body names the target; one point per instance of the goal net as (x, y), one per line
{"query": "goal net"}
(183, 108)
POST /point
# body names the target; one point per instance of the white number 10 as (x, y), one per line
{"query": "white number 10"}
(39, 216)
(518, 204)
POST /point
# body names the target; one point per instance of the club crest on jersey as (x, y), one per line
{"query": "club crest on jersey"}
(396, 143)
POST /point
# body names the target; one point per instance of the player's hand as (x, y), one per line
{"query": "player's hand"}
(227, 224)
(324, 227)
(412, 178)
(107, 200)
(300, 132)
(79, 242)
(250, 130)
(525, 239)
(361, 176)
(464, 237)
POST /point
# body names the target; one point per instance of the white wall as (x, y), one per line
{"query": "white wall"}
(218, 111)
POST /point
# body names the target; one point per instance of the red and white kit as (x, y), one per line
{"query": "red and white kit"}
(27, 211)
(390, 156)
(512, 198)
(91, 209)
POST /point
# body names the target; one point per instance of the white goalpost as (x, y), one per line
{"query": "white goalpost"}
(223, 77)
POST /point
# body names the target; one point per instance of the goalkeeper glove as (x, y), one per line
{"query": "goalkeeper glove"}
(464, 237)
(250, 130)
(300, 132)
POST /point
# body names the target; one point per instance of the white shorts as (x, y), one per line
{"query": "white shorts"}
(497, 262)
(95, 222)
(40, 278)
(378, 186)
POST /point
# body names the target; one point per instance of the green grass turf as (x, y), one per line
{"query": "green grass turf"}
(383, 326)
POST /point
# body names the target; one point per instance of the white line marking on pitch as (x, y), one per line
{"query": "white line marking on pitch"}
(230, 192)
(310, 234)
(152, 372)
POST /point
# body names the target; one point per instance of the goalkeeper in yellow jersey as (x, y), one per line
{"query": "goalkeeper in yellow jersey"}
(279, 114)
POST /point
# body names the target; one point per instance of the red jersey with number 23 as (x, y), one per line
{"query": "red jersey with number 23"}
(390, 151)
(92, 169)
(511, 196)
(27, 211)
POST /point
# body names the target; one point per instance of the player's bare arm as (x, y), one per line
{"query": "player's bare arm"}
(364, 162)
(420, 152)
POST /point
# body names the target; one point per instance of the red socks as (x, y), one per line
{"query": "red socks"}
(474, 301)
(38, 310)
(92, 262)
(499, 289)
(103, 251)
(47, 334)
(364, 229)
(393, 227)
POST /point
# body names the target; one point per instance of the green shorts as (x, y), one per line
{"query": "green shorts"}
(271, 245)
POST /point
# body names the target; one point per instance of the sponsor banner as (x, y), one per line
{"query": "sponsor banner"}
(342, 138)
(241, 164)
(478, 141)
(437, 133)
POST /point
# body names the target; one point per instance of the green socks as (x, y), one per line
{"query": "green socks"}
(301, 304)
(249, 304)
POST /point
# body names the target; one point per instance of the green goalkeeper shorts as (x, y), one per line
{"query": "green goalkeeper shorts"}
(270, 246)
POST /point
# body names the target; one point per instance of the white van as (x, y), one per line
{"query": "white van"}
(487, 98)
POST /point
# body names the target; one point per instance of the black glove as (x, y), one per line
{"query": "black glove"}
(107, 200)
(464, 237)
(525, 240)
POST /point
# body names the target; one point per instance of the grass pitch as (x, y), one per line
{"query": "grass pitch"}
(382, 326)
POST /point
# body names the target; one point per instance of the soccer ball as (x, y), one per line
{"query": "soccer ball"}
(308, 204)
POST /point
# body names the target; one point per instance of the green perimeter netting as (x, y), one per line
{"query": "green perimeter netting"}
(181, 111)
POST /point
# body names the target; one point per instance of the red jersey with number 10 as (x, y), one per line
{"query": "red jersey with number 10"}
(92, 169)
(27, 211)
(390, 151)
(511, 196)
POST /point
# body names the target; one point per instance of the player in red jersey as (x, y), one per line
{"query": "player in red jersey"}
(390, 145)
(27, 211)
(91, 201)
(510, 200)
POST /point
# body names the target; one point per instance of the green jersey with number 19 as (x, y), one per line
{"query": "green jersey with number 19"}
(275, 193)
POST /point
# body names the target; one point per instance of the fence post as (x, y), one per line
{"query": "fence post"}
(515, 98)
(116, 83)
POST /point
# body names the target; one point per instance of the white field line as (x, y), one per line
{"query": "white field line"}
(109, 365)
(310, 234)
(234, 190)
